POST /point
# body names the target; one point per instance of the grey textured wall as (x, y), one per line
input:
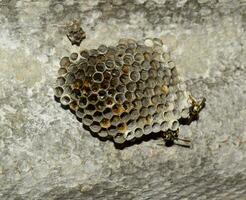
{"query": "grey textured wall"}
(46, 154)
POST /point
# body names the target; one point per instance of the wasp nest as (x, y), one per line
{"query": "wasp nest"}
(123, 91)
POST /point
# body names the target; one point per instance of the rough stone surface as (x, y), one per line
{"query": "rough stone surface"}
(46, 154)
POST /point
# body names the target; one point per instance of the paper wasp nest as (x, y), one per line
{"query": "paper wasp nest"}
(123, 91)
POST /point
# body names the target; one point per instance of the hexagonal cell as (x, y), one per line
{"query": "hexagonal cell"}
(107, 75)
(75, 94)
(144, 75)
(92, 60)
(115, 120)
(130, 51)
(72, 68)
(151, 83)
(58, 91)
(87, 120)
(149, 92)
(67, 89)
(155, 99)
(105, 84)
(122, 127)
(141, 85)
(136, 66)
(128, 59)
(165, 126)
(135, 76)
(95, 87)
(100, 105)
(156, 127)
(80, 74)
(90, 109)
(100, 67)
(97, 77)
(101, 58)
(131, 87)
(77, 84)
(124, 79)
(137, 103)
(110, 64)
(134, 113)
(139, 57)
(103, 133)
(129, 136)
(97, 116)
(119, 98)
(102, 49)
(105, 123)
(95, 127)
(62, 71)
(102, 95)
(117, 109)
(138, 133)
(65, 62)
(80, 113)
(175, 125)
(84, 54)
(127, 106)
(148, 119)
(83, 102)
(73, 56)
(109, 101)
(149, 42)
(120, 88)
(114, 81)
(93, 52)
(147, 129)
(155, 66)
(115, 73)
(129, 96)
(112, 92)
(108, 113)
(118, 62)
(112, 131)
(119, 139)
(147, 57)
(73, 105)
(146, 101)
(145, 65)
(144, 112)
(125, 69)
(65, 99)
(124, 117)
(160, 108)
(93, 98)
(168, 115)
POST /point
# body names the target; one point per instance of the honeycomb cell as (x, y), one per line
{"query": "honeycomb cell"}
(164, 126)
(107, 113)
(73, 105)
(102, 49)
(124, 79)
(156, 127)
(90, 109)
(93, 52)
(62, 71)
(144, 112)
(75, 94)
(147, 129)
(128, 59)
(65, 62)
(151, 109)
(93, 98)
(103, 133)
(102, 95)
(95, 127)
(97, 77)
(125, 69)
(122, 127)
(80, 113)
(131, 87)
(107, 75)
(72, 68)
(114, 82)
(151, 83)
(152, 73)
(77, 84)
(84, 54)
(144, 75)
(135, 76)
(112, 131)
(115, 120)
(80, 74)
(145, 65)
(109, 101)
(60, 81)
(83, 102)
(130, 51)
(134, 113)
(139, 57)
(129, 136)
(92, 60)
(67, 89)
(137, 103)
(146, 101)
(73, 56)
(110, 64)
(119, 98)
(69, 78)
(117, 109)
(136, 66)
(58, 91)
(127, 106)
(129, 96)
(105, 123)
(100, 67)
(121, 88)
(149, 92)
(65, 99)
(115, 73)
(138, 133)
(175, 125)
(119, 139)
(95, 87)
